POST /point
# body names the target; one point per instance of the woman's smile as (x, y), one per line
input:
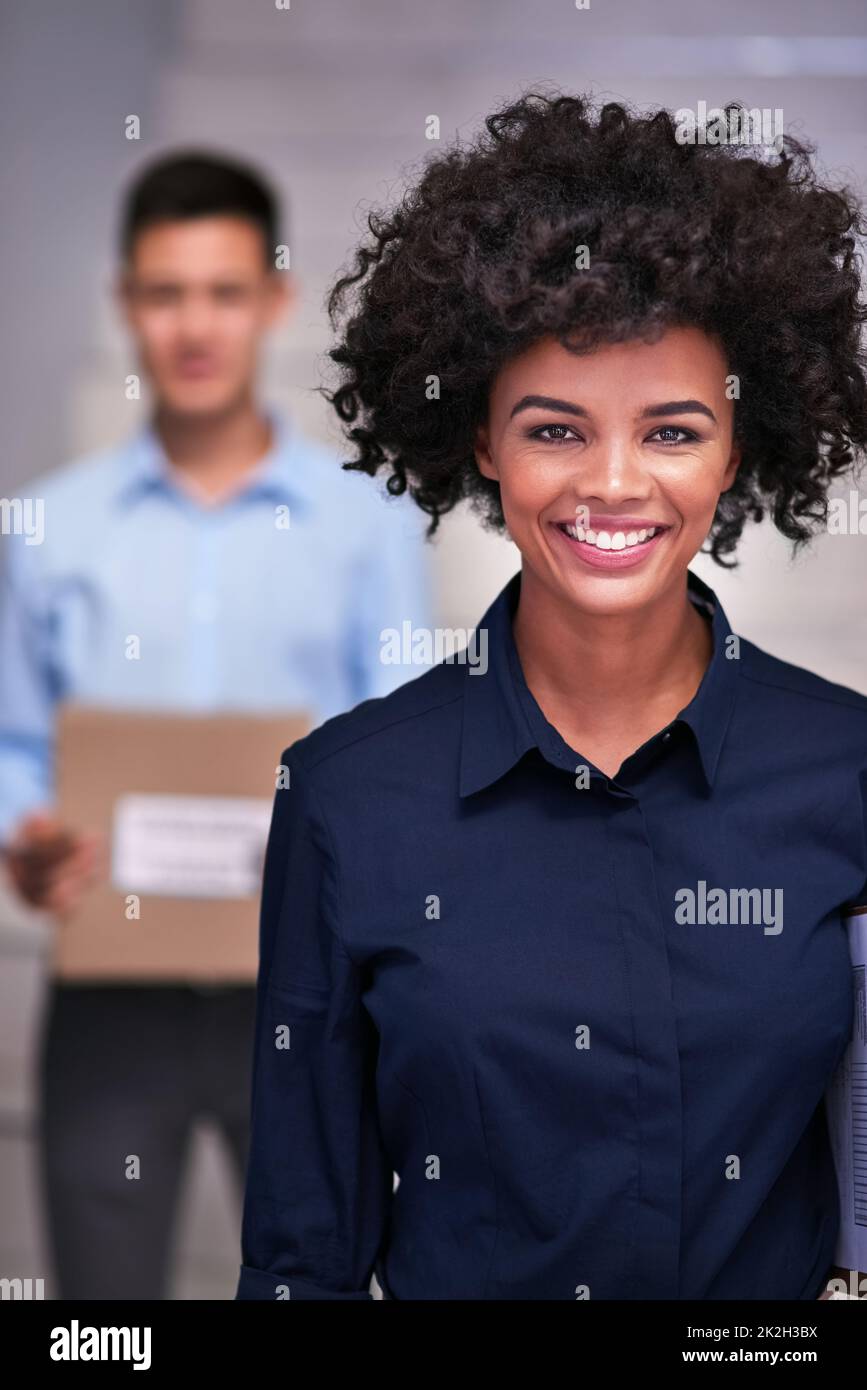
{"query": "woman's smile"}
(612, 547)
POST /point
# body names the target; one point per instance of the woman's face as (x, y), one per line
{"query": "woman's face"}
(592, 451)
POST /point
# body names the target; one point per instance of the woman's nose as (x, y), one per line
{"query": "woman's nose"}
(611, 470)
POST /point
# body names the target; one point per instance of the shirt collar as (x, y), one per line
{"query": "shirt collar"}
(284, 473)
(502, 720)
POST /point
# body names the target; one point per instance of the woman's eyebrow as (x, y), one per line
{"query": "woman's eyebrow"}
(678, 408)
(546, 403)
(689, 407)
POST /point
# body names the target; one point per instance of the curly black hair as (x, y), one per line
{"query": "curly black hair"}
(478, 261)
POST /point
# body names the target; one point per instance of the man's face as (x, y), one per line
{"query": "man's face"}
(199, 297)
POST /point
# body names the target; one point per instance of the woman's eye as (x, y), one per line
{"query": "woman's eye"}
(543, 433)
(563, 434)
(675, 429)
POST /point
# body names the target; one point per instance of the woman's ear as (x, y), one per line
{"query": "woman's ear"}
(732, 467)
(484, 457)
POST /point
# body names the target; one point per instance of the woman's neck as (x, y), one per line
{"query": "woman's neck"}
(610, 680)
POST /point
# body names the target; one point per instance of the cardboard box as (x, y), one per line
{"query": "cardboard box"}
(186, 802)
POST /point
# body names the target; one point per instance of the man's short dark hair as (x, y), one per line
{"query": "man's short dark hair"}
(198, 184)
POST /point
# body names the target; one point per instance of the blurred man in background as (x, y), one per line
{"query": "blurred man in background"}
(164, 537)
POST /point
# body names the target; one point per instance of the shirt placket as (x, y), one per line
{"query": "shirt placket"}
(203, 610)
(657, 1059)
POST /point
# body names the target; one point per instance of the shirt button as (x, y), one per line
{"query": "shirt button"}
(666, 736)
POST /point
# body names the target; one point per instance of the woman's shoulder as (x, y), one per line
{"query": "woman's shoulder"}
(420, 719)
(791, 694)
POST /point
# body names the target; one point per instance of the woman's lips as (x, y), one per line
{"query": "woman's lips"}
(610, 559)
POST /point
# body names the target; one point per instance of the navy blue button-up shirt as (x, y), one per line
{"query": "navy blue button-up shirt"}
(588, 1021)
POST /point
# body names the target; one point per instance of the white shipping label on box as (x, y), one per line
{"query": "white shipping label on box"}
(189, 846)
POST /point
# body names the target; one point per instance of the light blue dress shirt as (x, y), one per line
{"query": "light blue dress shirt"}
(140, 595)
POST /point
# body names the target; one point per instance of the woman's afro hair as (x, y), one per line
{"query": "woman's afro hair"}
(479, 260)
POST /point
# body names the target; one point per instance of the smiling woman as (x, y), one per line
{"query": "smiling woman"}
(598, 227)
(619, 346)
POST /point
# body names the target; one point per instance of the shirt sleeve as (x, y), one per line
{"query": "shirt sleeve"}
(392, 586)
(860, 899)
(28, 692)
(318, 1185)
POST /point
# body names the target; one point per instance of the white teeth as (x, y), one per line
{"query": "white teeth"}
(607, 540)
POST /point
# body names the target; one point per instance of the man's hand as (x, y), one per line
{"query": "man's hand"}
(51, 866)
